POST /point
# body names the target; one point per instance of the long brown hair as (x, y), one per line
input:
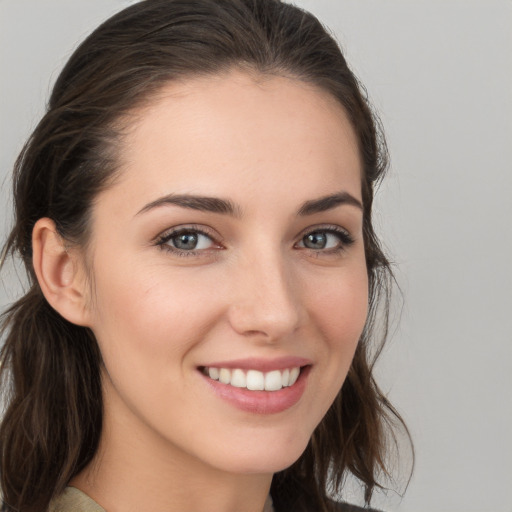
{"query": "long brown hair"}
(50, 368)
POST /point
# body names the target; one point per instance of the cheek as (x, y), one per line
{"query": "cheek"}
(152, 315)
(147, 328)
(340, 311)
(341, 308)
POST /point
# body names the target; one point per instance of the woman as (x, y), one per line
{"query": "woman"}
(194, 214)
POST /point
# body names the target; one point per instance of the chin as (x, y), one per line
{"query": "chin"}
(263, 457)
(260, 465)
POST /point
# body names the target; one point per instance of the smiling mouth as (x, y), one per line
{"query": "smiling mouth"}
(254, 380)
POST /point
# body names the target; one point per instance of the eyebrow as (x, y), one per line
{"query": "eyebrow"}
(328, 203)
(227, 207)
(202, 203)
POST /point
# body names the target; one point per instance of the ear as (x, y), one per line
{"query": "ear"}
(59, 273)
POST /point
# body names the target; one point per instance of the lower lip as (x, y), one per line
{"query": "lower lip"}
(261, 402)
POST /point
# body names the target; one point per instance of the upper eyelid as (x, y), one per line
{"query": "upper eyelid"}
(333, 228)
(201, 229)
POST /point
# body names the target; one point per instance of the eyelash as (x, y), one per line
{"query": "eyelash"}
(344, 237)
(345, 240)
(164, 239)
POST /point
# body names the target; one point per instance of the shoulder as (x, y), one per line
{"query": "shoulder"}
(74, 500)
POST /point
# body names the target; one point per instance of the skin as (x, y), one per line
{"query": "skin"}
(253, 289)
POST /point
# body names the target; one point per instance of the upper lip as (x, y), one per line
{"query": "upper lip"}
(261, 364)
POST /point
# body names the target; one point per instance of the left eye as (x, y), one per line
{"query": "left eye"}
(188, 241)
(320, 240)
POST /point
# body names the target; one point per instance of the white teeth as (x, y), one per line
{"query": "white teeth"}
(273, 381)
(294, 375)
(238, 379)
(213, 373)
(225, 376)
(255, 380)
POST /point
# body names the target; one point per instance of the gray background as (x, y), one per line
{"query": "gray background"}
(439, 73)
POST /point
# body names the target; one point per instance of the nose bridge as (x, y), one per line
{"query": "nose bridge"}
(266, 301)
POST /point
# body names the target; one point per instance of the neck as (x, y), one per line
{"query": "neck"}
(135, 469)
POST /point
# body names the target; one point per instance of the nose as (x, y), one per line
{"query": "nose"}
(265, 302)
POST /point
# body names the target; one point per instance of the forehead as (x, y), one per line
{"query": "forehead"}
(238, 132)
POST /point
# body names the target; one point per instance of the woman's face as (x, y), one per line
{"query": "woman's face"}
(230, 248)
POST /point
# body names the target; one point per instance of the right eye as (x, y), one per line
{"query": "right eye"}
(190, 241)
(186, 241)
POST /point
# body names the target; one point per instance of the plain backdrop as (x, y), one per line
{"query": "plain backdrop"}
(439, 73)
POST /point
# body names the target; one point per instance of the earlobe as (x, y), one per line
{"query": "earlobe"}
(58, 273)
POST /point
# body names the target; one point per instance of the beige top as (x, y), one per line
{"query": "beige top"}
(73, 500)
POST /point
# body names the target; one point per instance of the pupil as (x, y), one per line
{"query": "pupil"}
(315, 241)
(186, 241)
